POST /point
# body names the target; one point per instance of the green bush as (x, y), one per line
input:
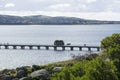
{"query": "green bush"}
(100, 70)
(111, 45)
(97, 69)
(111, 41)
(114, 53)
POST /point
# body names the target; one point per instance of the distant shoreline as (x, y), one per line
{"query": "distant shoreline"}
(61, 24)
(48, 20)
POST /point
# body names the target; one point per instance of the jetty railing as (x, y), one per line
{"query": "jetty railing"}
(47, 47)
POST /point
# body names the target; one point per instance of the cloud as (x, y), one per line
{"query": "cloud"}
(2, 0)
(39, 0)
(82, 6)
(114, 7)
(99, 9)
(63, 5)
(0, 5)
(90, 1)
(9, 5)
(57, 6)
(85, 15)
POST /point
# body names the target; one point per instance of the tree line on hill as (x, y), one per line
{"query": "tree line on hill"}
(47, 20)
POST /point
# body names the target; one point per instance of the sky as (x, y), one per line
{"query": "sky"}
(88, 9)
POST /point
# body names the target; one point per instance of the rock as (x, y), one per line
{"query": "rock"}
(35, 67)
(5, 77)
(21, 73)
(15, 79)
(57, 69)
(26, 78)
(21, 68)
(1, 76)
(42, 74)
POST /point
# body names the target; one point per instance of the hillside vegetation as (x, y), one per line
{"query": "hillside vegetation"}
(47, 20)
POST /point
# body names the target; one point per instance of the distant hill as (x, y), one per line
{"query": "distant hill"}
(47, 20)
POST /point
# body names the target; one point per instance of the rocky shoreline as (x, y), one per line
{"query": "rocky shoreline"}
(28, 73)
(37, 72)
(23, 74)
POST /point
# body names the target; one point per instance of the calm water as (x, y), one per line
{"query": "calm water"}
(47, 34)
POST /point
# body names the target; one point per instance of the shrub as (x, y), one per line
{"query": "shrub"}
(111, 41)
(97, 69)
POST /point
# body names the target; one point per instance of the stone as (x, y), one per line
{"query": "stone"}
(42, 74)
(5, 77)
(15, 79)
(21, 73)
(26, 78)
(57, 69)
(1, 76)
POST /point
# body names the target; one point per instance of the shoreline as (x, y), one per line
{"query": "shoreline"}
(59, 24)
(28, 70)
(60, 61)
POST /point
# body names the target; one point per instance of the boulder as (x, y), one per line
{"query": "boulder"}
(57, 69)
(5, 77)
(21, 73)
(15, 79)
(26, 78)
(1, 76)
(42, 74)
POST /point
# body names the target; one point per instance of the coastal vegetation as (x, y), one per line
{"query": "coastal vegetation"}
(102, 66)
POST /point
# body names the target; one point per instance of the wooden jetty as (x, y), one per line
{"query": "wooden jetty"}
(47, 47)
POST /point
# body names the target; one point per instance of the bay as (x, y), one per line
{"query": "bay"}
(47, 34)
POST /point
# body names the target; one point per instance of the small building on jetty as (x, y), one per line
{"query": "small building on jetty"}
(59, 43)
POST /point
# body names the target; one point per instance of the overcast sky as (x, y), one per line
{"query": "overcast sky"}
(91, 9)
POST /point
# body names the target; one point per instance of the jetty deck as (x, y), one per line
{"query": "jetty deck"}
(47, 47)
